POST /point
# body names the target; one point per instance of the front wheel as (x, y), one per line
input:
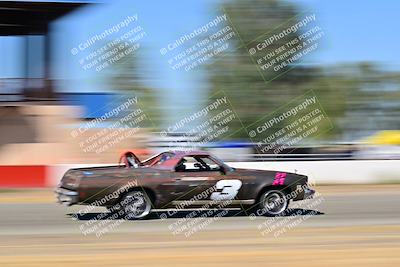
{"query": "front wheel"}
(136, 205)
(273, 203)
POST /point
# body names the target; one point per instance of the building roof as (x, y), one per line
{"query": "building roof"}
(28, 17)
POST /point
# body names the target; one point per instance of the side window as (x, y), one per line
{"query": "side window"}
(196, 164)
(189, 164)
(210, 164)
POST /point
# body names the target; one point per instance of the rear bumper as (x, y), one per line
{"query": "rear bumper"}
(66, 196)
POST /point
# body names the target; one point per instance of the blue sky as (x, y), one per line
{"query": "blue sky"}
(358, 30)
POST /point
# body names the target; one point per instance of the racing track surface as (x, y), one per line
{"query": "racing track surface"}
(347, 226)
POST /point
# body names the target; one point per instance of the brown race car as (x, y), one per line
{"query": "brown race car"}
(177, 179)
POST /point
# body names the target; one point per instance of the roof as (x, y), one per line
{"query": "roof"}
(28, 17)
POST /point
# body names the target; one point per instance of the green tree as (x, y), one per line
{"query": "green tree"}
(127, 75)
(252, 91)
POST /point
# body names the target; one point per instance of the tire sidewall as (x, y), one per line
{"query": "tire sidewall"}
(124, 203)
(265, 195)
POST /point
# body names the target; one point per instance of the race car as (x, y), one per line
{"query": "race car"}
(180, 179)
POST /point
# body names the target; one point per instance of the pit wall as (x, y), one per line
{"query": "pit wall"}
(319, 172)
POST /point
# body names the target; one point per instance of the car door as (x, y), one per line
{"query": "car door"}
(227, 185)
(193, 182)
(212, 182)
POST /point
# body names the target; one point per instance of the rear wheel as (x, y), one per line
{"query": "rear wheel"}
(136, 205)
(273, 203)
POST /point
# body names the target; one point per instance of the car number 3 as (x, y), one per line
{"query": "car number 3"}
(229, 188)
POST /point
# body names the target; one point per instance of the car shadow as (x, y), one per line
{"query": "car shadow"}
(172, 214)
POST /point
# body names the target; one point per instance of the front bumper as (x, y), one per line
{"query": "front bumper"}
(303, 192)
(308, 193)
(66, 196)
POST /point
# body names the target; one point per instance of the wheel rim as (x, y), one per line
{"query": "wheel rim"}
(136, 205)
(274, 202)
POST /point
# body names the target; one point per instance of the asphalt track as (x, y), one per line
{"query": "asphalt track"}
(346, 226)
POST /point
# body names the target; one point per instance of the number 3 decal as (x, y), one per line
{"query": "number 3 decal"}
(229, 188)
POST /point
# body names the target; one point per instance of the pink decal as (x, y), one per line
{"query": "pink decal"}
(279, 178)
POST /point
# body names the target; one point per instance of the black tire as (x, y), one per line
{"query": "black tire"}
(136, 205)
(273, 203)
